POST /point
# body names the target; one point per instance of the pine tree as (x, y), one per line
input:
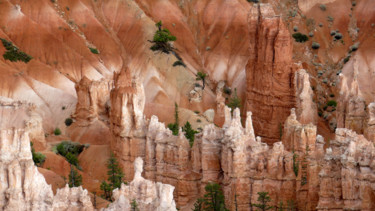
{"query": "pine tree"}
(115, 177)
(189, 133)
(198, 206)
(107, 190)
(214, 198)
(75, 179)
(201, 76)
(263, 200)
(175, 127)
(235, 101)
(115, 173)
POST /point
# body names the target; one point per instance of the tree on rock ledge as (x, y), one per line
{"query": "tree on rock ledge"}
(161, 42)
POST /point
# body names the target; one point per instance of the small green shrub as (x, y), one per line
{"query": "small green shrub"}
(332, 103)
(354, 3)
(354, 47)
(346, 59)
(330, 19)
(94, 50)
(179, 63)
(323, 7)
(68, 122)
(298, 37)
(333, 33)
(227, 90)
(254, 1)
(66, 147)
(315, 45)
(57, 131)
(338, 36)
(14, 54)
(295, 28)
(38, 157)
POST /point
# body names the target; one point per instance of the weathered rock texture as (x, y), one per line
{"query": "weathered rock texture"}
(347, 175)
(269, 73)
(22, 187)
(306, 108)
(147, 194)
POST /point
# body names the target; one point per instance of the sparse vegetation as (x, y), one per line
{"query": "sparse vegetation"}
(189, 133)
(57, 131)
(201, 76)
(332, 103)
(354, 47)
(115, 178)
(174, 127)
(75, 179)
(134, 205)
(70, 151)
(38, 157)
(161, 42)
(338, 36)
(235, 101)
(315, 45)
(298, 37)
(14, 54)
(94, 50)
(263, 199)
(323, 7)
(213, 199)
(68, 121)
(254, 1)
(330, 19)
(179, 63)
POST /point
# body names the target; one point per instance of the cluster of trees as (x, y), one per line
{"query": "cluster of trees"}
(187, 129)
(14, 54)
(214, 200)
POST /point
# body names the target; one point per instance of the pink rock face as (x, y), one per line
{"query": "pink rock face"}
(346, 173)
(269, 73)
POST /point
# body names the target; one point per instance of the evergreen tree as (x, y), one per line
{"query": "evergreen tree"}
(214, 198)
(107, 190)
(75, 179)
(175, 127)
(189, 133)
(115, 173)
(198, 206)
(234, 102)
(263, 200)
(115, 177)
(202, 77)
